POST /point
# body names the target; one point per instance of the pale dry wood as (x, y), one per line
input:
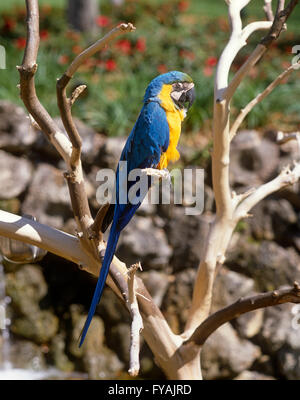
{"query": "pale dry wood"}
(226, 204)
(97, 46)
(259, 98)
(136, 324)
(268, 10)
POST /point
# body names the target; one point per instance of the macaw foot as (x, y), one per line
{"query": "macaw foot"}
(160, 173)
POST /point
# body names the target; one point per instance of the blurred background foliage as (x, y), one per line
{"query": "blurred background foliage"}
(171, 34)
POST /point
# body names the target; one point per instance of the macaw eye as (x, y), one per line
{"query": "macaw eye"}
(178, 86)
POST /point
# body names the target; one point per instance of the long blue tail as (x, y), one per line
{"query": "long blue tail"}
(109, 253)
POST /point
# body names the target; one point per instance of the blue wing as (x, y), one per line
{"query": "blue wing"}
(143, 149)
(149, 138)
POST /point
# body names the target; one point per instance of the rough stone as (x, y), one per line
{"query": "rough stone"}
(157, 284)
(16, 132)
(110, 152)
(26, 287)
(280, 336)
(225, 355)
(177, 301)
(40, 327)
(98, 361)
(143, 241)
(249, 165)
(229, 287)
(186, 235)
(48, 197)
(253, 376)
(91, 142)
(119, 340)
(27, 355)
(58, 355)
(15, 175)
(272, 220)
(269, 264)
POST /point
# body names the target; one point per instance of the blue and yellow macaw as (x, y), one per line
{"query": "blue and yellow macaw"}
(152, 143)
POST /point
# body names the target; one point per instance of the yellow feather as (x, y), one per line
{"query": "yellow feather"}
(174, 118)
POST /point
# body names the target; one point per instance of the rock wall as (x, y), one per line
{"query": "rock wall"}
(50, 300)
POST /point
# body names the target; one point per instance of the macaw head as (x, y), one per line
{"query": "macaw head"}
(176, 87)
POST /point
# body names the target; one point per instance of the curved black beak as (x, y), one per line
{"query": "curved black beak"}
(190, 97)
(187, 98)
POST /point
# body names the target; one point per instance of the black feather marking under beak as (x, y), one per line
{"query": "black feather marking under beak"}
(190, 97)
(187, 99)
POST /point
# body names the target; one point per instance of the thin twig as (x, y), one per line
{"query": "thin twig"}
(75, 176)
(278, 24)
(286, 177)
(27, 85)
(136, 324)
(259, 98)
(268, 10)
(97, 46)
(76, 93)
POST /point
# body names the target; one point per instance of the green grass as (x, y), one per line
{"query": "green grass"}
(183, 41)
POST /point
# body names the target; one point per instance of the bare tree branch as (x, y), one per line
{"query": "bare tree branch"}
(260, 97)
(136, 324)
(268, 10)
(242, 306)
(75, 176)
(27, 85)
(229, 209)
(285, 178)
(277, 27)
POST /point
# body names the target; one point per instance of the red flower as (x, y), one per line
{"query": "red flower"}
(44, 34)
(141, 45)
(9, 24)
(124, 46)
(110, 65)
(161, 68)
(183, 5)
(211, 61)
(20, 43)
(102, 21)
(63, 59)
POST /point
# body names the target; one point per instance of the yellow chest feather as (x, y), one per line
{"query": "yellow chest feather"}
(174, 118)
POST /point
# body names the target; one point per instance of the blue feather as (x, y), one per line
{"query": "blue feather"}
(109, 253)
